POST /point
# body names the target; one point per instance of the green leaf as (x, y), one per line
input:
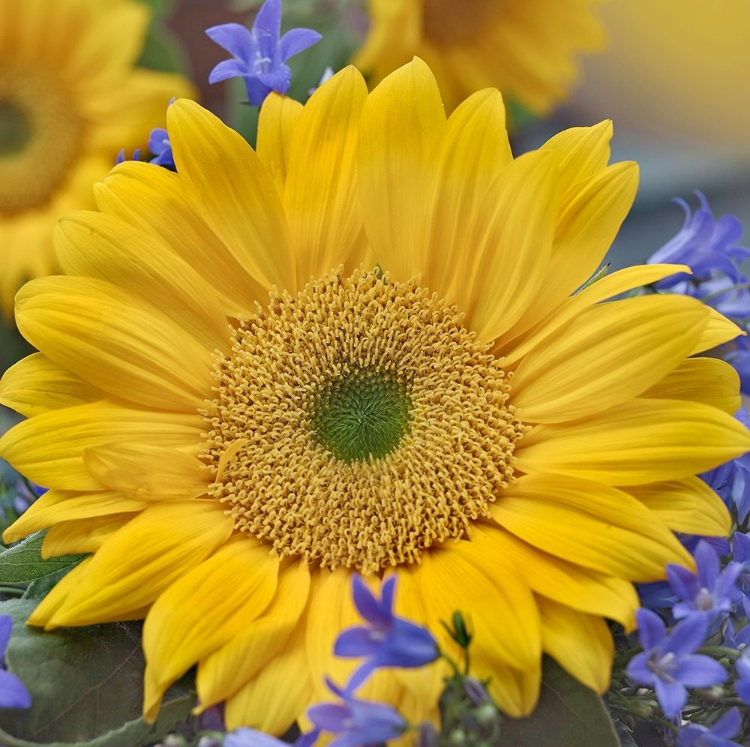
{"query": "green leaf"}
(161, 8)
(86, 686)
(163, 50)
(23, 562)
(568, 715)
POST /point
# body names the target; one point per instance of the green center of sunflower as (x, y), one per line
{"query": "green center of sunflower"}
(361, 415)
(15, 128)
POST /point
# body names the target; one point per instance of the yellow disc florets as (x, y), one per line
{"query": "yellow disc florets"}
(358, 423)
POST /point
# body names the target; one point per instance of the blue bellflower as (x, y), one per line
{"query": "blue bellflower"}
(259, 55)
(708, 246)
(13, 693)
(386, 640)
(245, 737)
(709, 592)
(161, 148)
(732, 479)
(742, 684)
(718, 735)
(668, 662)
(357, 722)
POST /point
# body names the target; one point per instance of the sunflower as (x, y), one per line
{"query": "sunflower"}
(70, 99)
(525, 49)
(663, 57)
(356, 350)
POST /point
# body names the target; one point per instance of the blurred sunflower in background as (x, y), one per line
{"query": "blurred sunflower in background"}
(526, 49)
(358, 349)
(663, 57)
(70, 99)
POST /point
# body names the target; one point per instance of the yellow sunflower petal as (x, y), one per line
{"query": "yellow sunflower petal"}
(624, 347)
(156, 200)
(585, 230)
(272, 700)
(567, 583)
(560, 515)
(82, 535)
(96, 59)
(642, 441)
(276, 122)
(57, 506)
(583, 152)
(588, 225)
(719, 331)
(402, 122)
(516, 691)
(320, 196)
(36, 385)
(105, 247)
(225, 671)
(242, 205)
(58, 463)
(461, 578)
(581, 644)
(687, 505)
(237, 583)
(331, 610)
(509, 254)
(475, 141)
(708, 380)
(140, 354)
(56, 598)
(135, 565)
(609, 286)
(147, 472)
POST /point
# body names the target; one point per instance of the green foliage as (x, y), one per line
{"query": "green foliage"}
(86, 686)
(13, 347)
(163, 50)
(23, 562)
(568, 715)
(161, 8)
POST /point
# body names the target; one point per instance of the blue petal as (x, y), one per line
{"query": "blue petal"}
(728, 725)
(277, 80)
(13, 693)
(683, 582)
(672, 696)
(686, 636)
(639, 671)
(228, 69)
(268, 20)
(368, 605)
(296, 41)
(356, 642)
(700, 671)
(708, 565)
(329, 716)
(360, 676)
(256, 91)
(235, 38)
(388, 588)
(245, 737)
(651, 628)
(6, 628)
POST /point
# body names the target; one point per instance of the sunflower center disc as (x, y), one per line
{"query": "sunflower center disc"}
(361, 415)
(15, 129)
(451, 22)
(40, 136)
(358, 423)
